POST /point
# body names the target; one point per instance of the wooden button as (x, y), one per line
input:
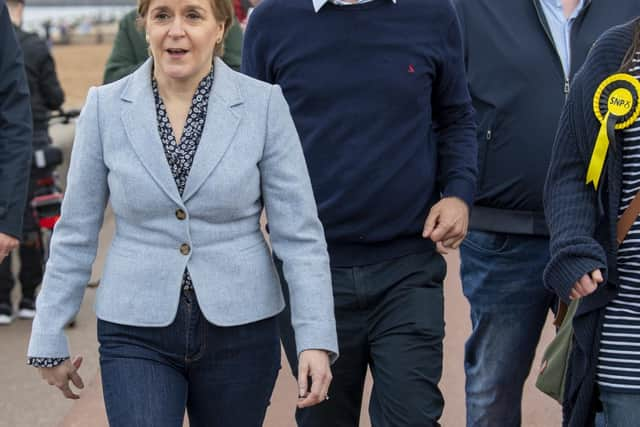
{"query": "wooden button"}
(180, 214)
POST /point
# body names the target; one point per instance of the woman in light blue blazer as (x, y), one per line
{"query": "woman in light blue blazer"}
(188, 152)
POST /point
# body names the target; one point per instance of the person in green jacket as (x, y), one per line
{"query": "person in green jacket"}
(130, 48)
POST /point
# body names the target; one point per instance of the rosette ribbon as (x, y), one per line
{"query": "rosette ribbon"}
(616, 105)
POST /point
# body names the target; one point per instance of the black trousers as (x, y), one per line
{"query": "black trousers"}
(31, 269)
(390, 318)
(30, 273)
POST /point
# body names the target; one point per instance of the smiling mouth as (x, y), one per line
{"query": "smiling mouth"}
(177, 52)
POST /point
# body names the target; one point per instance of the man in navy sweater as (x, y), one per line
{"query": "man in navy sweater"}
(520, 58)
(378, 94)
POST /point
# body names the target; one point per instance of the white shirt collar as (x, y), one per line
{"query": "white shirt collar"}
(317, 4)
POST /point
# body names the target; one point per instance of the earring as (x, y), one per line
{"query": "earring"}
(146, 37)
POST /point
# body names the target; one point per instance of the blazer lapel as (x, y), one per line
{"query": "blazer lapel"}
(141, 125)
(219, 129)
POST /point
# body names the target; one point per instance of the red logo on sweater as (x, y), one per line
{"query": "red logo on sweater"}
(411, 69)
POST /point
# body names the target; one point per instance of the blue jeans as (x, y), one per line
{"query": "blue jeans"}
(390, 318)
(502, 279)
(223, 376)
(620, 409)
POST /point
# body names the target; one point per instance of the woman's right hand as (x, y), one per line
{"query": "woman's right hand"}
(60, 375)
(586, 285)
(314, 365)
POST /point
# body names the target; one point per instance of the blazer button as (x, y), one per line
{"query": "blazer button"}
(180, 214)
(185, 249)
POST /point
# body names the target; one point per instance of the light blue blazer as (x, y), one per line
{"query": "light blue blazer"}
(249, 157)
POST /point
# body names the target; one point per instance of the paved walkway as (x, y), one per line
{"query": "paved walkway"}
(26, 401)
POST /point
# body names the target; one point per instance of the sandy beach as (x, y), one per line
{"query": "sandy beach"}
(79, 67)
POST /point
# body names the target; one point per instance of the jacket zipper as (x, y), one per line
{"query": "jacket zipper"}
(567, 84)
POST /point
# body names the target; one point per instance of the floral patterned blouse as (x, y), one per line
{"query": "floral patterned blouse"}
(179, 156)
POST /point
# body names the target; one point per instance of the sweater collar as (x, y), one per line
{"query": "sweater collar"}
(317, 4)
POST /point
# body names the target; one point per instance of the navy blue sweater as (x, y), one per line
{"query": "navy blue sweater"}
(368, 86)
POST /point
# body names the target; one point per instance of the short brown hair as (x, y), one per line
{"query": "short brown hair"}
(222, 12)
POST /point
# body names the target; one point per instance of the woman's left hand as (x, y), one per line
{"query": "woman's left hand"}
(314, 365)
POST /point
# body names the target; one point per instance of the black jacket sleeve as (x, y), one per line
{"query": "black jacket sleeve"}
(52, 93)
(15, 129)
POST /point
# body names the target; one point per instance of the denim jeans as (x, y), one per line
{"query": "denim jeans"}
(390, 318)
(223, 376)
(620, 409)
(502, 279)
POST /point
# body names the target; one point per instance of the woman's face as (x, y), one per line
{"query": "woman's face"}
(182, 35)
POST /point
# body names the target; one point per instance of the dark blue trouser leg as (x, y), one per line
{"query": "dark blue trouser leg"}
(222, 376)
(390, 318)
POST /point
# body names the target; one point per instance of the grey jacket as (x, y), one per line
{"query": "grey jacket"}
(249, 157)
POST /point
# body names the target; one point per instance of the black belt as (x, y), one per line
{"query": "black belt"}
(508, 221)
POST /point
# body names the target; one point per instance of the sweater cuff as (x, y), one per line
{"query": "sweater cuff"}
(462, 189)
(563, 272)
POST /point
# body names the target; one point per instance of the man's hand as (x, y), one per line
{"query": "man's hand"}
(7, 244)
(314, 364)
(447, 224)
(60, 375)
(586, 285)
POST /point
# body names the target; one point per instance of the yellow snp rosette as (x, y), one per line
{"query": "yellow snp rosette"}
(616, 105)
